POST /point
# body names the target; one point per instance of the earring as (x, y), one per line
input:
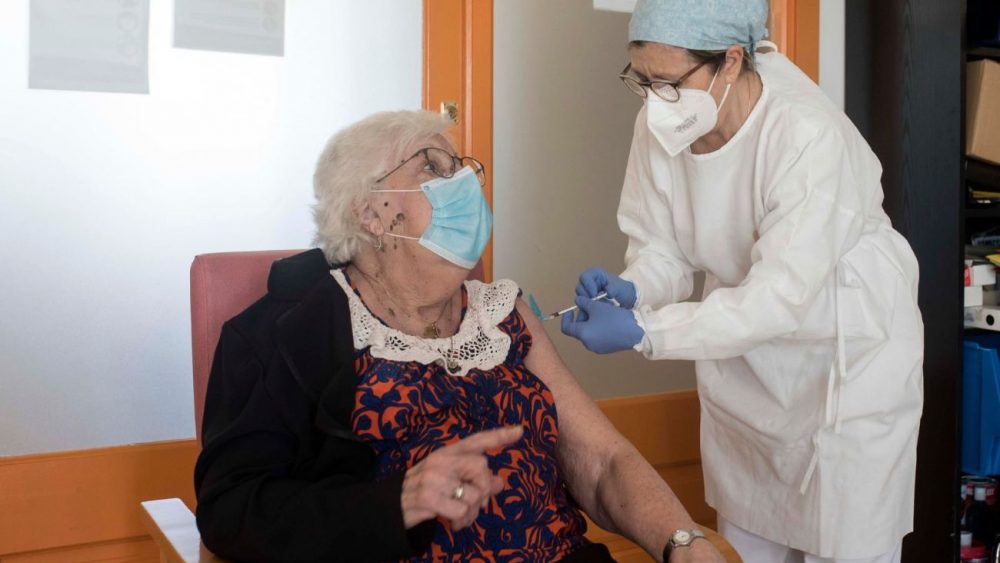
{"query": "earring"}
(378, 243)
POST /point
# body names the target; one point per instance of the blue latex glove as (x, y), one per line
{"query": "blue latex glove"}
(602, 326)
(596, 280)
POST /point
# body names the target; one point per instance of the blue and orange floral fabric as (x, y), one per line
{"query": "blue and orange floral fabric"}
(406, 410)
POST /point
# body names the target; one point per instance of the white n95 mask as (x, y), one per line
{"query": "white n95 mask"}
(678, 124)
(461, 221)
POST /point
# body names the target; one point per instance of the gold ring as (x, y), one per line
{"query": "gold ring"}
(459, 492)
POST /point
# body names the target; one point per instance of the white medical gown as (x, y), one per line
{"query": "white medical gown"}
(808, 339)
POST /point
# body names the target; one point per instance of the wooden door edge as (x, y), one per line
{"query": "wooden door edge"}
(458, 66)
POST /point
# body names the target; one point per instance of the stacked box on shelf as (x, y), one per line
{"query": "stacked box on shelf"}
(979, 280)
(982, 139)
(981, 405)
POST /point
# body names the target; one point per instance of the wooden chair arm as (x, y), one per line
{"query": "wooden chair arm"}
(173, 528)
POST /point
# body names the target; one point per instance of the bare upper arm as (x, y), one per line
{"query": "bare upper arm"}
(586, 436)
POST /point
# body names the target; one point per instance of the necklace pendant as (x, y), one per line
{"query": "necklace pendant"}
(432, 331)
(453, 367)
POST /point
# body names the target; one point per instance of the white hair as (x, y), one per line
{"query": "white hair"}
(354, 158)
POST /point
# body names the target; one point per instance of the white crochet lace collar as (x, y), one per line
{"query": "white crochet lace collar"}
(479, 343)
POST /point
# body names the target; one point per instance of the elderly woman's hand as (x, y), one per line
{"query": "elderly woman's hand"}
(455, 482)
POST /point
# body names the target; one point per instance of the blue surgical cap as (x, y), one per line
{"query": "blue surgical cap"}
(702, 25)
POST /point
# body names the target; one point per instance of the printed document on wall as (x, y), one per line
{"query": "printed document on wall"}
(97, 45)
(238, 26)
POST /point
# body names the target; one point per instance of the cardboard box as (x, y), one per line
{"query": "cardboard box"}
(982, 131)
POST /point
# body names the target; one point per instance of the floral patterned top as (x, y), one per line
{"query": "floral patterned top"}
(407, 409)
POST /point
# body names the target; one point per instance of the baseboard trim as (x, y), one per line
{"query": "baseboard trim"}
(126, 550)
(78, 498)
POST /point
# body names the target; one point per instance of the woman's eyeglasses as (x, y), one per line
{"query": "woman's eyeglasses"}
(442, 164)
(668, 90)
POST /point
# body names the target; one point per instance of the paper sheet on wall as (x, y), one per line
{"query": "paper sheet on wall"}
(237, 26)
(98, 45)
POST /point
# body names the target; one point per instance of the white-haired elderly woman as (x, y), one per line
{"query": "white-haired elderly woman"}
(387, 408)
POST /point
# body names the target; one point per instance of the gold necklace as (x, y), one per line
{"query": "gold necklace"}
(431, 330)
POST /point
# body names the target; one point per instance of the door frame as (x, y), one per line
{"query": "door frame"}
(458, 67)
(794, 27)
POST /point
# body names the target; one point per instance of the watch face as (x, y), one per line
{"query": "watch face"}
(681, 537)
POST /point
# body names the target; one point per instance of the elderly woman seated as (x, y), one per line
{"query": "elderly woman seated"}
(386, 408)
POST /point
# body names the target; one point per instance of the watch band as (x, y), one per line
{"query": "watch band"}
(681, 538)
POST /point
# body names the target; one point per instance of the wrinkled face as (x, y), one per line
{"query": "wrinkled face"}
(408, 213)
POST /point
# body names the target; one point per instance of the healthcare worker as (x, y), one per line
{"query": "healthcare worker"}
(808, 339)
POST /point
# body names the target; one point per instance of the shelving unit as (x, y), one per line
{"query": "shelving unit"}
(978, 175)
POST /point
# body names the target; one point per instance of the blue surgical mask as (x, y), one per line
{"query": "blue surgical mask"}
(461, 221)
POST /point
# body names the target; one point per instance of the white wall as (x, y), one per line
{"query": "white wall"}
(562, 129)
(105, 199)
(832, 42)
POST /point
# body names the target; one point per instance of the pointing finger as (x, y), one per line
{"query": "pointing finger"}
(489, 439)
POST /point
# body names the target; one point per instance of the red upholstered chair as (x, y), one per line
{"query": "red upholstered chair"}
(222, 285)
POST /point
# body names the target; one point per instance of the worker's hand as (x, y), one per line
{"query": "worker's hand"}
(701, 551)
(455, 482)
(596, 280)
(602, 326)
